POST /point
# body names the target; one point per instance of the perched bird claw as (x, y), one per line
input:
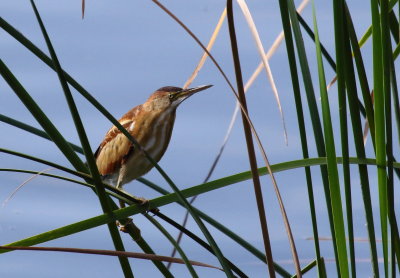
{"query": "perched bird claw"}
(155, 211)
(131, 228)
(124, 227)
(143, 202)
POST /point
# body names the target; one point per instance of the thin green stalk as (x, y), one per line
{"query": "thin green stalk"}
(386, 24)
(310, 33)
(343, 67)
(314, 114)
(379, 114)
(334, 184)
(388, 58)
(357, 128)
(392, 215)
(396, 103)
(390, 185)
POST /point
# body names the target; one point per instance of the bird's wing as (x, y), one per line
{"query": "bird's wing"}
(116, 146)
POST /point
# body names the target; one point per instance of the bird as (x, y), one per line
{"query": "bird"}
(151, 124)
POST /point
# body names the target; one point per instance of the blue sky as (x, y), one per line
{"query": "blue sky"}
(120, 53)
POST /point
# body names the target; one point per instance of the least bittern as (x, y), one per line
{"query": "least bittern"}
(151, 124)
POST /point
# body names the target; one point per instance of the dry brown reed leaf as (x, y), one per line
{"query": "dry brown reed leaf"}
(333, 81)
(83, 9)
(153, 257)
(260, 48)
(272, 50)
(5, 202)
(209, 47)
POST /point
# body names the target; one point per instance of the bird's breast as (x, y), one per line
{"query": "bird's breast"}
(154, 135)
(160, 135)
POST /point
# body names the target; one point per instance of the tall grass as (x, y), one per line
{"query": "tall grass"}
(364, 95)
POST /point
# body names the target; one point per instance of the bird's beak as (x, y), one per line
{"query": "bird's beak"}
(185, 93)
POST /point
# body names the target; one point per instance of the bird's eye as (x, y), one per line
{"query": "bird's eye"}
(171, 95)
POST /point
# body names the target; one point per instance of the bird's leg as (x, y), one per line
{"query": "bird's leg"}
(128, 225)
(119, 186)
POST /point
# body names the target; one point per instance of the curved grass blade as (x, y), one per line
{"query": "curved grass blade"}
(244, 176)
(342, 48)
(135, 255)
(171, 198)
(131, 200)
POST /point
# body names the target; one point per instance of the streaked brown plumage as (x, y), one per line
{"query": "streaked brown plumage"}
(151, 124)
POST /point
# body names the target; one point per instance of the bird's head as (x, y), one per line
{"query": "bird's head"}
(170, 97)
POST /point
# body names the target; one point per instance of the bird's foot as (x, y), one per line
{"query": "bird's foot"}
(127, 226)
(146, 203)
(123, 224)
(143, 203)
